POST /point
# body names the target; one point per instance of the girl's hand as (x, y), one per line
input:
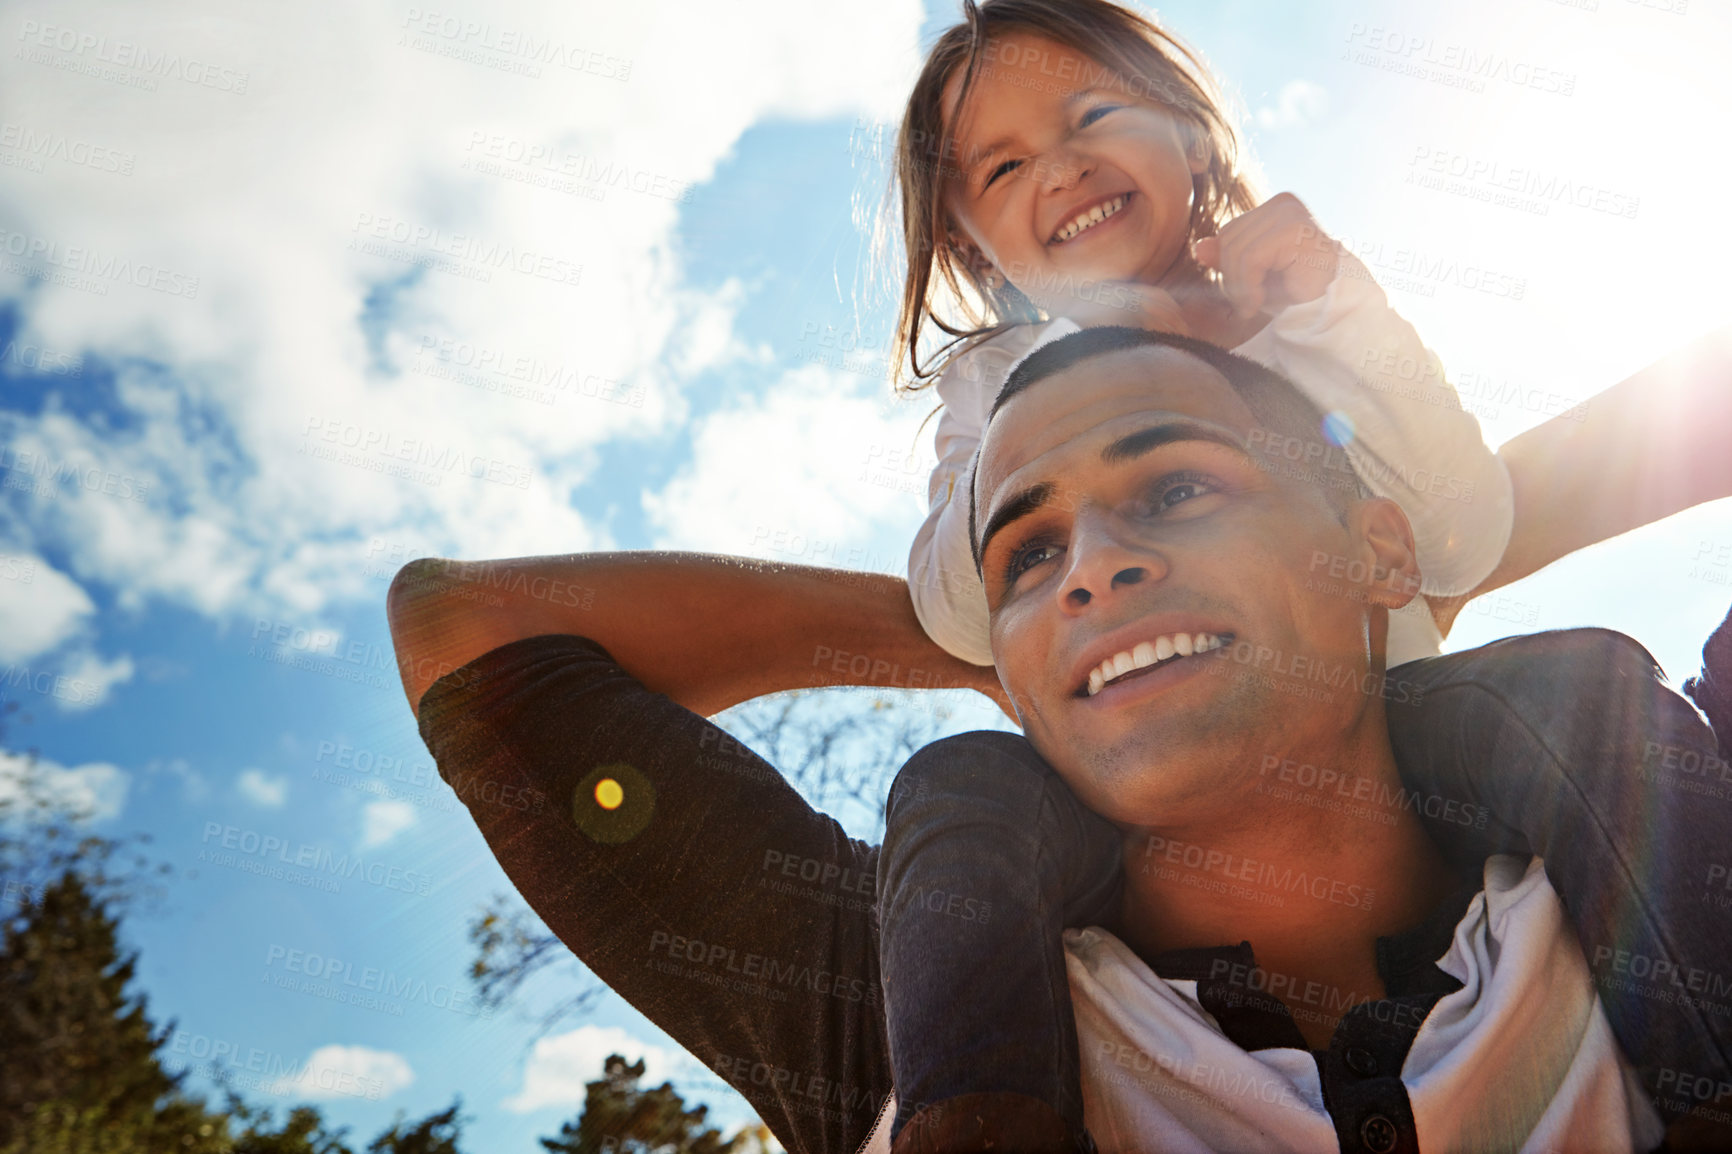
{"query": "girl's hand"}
(1127, 303)
(1271, 257)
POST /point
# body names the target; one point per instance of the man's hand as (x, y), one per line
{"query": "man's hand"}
(1271, 257)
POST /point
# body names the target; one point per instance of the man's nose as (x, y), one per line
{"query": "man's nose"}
(1104, 559)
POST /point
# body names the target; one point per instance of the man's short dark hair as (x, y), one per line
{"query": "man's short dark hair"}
(1275, 401)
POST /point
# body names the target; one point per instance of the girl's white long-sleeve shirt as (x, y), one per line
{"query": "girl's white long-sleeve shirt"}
(1356, 358)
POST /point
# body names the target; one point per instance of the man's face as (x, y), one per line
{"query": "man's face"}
(1122, 513)
(1041, 155)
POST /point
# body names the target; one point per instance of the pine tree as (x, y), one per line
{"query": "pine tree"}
(434, 1134)
(303, 1131)
(619, 1118)
(80, 1071)
(78, 1065)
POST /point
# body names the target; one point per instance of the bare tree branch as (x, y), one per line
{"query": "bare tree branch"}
(45, 833)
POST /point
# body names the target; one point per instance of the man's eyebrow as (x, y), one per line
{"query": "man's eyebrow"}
(1127, 448)
(1018, 507)
(1133, 445)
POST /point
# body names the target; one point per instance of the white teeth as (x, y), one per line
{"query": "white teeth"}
(1089, 219)
(1148, 653)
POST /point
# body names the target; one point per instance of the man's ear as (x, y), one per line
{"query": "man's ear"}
(1383, 540)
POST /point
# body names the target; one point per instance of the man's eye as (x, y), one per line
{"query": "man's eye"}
(1027, 557)
(1007, 166)
(1097, 112)
(1178, 493)
(1175, 490)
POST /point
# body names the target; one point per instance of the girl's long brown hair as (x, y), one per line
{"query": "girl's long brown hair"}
(1133, 55)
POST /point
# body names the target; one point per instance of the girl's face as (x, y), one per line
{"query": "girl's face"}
(1061, 177)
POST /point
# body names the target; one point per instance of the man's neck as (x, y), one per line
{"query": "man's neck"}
(1314, 860)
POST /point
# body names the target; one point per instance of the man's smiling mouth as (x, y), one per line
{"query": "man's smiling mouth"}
(1083, 221)
(1151, 655)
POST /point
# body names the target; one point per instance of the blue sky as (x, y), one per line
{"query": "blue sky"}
(196, 528)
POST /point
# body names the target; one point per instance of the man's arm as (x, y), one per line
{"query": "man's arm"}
(679, 866)
(1646, 448)
(707, 631)
(683, 871)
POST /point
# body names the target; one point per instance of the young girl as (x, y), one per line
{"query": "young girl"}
(1065, 163)
(1089, 178)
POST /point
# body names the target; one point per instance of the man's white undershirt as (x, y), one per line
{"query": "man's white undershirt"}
(1520, 1058)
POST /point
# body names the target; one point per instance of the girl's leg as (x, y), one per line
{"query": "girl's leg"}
(1579, 753)
(987, 857)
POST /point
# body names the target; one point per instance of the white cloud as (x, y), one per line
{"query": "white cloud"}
(261, 789)
(383, 820)
(41, 608)
(346, 1072)
(95, 789)
(1300, 102)
(93, 678)
(843, 465)
(560, 1066)
(192, 783)
(46, 623)
(349, 171)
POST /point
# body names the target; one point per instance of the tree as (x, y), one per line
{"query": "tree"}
(303, 1131)
(512, 946)
(45, 833)
(78, 1066)
(620, 1118)
(80, 1070)
(435, 1134)
(68, 1029)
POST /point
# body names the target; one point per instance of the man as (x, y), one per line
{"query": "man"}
(1122, 495)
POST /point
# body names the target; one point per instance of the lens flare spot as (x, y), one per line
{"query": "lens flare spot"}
(1338, 429)
(613, 803)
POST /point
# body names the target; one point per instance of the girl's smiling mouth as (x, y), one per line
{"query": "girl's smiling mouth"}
(1089, 217)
